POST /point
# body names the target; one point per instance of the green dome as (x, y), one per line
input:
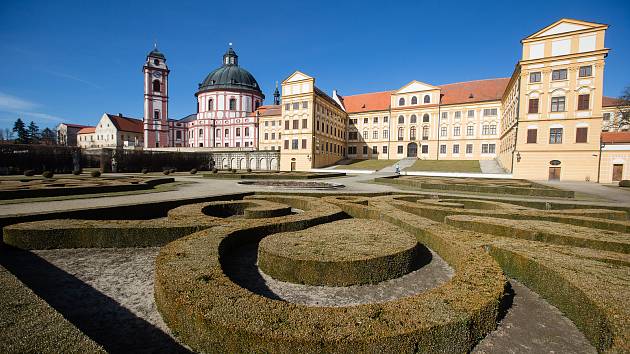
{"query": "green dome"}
(155, 53)
(230, 76)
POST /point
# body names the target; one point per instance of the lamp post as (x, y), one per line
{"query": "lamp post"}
(599, 163)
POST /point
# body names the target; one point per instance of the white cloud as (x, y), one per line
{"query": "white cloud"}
(73, 78)
(11, 103)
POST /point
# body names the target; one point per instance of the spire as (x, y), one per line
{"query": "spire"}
(276, 95)
(230, 57)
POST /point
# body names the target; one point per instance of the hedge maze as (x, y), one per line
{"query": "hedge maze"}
(577, 258)
(52, 187)
(477, 185)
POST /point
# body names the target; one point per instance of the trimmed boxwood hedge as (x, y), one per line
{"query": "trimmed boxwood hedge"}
(335, 254)
(250, 209)
(208, 311)
(29, 325)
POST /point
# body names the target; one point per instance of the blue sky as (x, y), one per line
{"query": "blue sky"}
(74, 60)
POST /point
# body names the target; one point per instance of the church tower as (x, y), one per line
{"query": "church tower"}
(155, 100)
(276, 96)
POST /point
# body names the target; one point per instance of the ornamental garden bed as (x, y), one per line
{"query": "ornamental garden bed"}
(67, 186)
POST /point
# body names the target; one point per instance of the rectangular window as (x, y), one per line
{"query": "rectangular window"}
(365, 135)
(304, 104)
(303, 143)
(442, 149)
(266, 136)
(444, 115)
(385, 119)
(294, 144)
(296, 105)
(286, 145)
(458, 115)
(425, 149)
(581, 135)
(352, 150)
(384, 149)
(456, 149)
(352, 136)
(586, 71)
(470, 130)
(178, 134)
(287, 106)
(557, 104)
(469, 148)
(533, 105)
(456, 131)
(365, 150)
(560, 74)
(493, 129)
(400, 149)
(492, 148)
(484, 148)
(374, 150)
(365, 120)
(555, 136)
(532, 136)
(375, 134)
(375, 120)
(534, 77)
(583, 102)
(296, 124)
(385, 134)
(471, 113)
(443, 131)
(156, 115)
(304, 123)
(489, 112)
(273, 136)
(485, 130)
(266, 123)
(286, 124)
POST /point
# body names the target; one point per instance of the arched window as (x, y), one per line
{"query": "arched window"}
(401, 101)
(200, 133)
(210, 104)
(427, 99)
(401, 133)
(238, 131)
(425, 118)
(413, 118)
(156, 86)
(414, 100)
(401, 119)
(232, 104)
(218, 134)
(412, 133)
(246, 131)
(227, 132)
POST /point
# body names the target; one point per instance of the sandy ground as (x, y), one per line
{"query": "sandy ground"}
(108, 294)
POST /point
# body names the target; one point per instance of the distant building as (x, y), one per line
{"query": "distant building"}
(67, 134)
(114, 131)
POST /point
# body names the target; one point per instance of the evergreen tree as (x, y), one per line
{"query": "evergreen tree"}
(48, 136)
(33, 133)
(20, 129)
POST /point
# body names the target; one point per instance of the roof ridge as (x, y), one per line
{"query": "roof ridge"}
(465, 82)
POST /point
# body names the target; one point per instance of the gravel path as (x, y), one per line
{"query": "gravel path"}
(108, 294)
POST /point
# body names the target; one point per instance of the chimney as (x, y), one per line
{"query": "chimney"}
(120, 114)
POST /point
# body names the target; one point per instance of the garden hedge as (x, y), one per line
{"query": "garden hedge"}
(335, 254)
(273, 175)
(209, 312)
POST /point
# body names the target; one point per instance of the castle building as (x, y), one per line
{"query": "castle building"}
(543, 122)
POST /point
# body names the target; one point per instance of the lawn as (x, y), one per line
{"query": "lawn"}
(445, 166)
(366, 165)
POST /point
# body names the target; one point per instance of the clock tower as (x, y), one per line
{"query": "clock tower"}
(155, 100)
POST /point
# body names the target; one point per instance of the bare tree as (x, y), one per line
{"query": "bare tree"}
(622, 110)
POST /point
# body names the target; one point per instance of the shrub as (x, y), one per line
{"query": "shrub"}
(48, 174)
(145, 171)
(624, 183)
(29, 173)
(249, 170)
(193, 171)
(173, 170)
(95, 173)
(76, 172)
(166, 172)
(214, 170)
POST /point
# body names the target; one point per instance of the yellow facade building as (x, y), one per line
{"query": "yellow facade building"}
(542, 123)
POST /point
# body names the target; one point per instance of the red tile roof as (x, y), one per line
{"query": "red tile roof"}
(611, 101)
(127, 124)
(87, 130)
(374, 101)
(269, 110)
(474, 91)
(615, 137)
